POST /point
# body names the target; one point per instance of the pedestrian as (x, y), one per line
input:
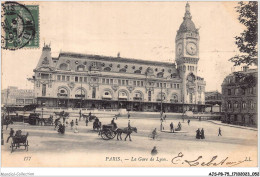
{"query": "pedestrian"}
(67, 123)
(171, 126)
(71, 124)
(77, 123)
(128, 115)
(79, 114)
(11, 134)
(154, 133)
(198, 134)
(202, 136)
(189, 122)
(86, 121)
(154, 151)
(219, 132)
(164, 117)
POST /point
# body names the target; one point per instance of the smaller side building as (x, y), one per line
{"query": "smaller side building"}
(213, 100)
(12, 96)
(239, 98)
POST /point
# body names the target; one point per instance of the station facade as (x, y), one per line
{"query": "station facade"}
(104, 82)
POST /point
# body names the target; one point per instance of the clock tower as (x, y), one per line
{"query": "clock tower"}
(187, 57)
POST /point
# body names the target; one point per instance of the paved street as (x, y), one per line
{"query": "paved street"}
(48, 148)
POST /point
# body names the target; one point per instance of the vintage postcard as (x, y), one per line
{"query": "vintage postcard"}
(129, 84)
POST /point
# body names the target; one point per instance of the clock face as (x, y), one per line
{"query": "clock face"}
(191, 48)
(179, 49)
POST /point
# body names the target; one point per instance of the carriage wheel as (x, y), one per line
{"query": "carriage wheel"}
(26, 145)
(110, 134)
(104, 135)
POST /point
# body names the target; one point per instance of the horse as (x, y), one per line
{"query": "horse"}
(57, 122)
(128, 131)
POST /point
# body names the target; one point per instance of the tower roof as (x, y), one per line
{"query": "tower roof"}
(187, 24)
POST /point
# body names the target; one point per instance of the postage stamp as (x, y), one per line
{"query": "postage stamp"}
(20, 26)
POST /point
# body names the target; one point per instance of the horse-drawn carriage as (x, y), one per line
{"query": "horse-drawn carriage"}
(108, 131)
(35, 119)
(89, 117)
(19, 140)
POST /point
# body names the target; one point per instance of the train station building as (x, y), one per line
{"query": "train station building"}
(104, 82)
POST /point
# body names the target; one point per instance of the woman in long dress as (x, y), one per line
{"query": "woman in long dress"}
(202, 134)
(198, 133)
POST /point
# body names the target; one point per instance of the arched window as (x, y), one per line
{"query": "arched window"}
(122, 95)
(80, 68)
(63, 66)
(80, 93)
(252, 105)
(107, 69)
(123, 70)
(236, 104)
(138, 96)
(161, 96)
(160, 74)
(107, 95)
(229, 105)
(174, 98)
(244, 105)
(63, 92)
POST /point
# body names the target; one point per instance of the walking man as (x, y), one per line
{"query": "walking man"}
(189, 122)
(171, 126)
(202, 136)
(79, 115)
(154, 133)
(128, 115)
(86, 121)
(71, 124)
(11, 134)
(219, 132)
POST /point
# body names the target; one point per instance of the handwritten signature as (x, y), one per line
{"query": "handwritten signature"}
(214, 161)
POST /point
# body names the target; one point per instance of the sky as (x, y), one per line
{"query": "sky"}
(140, 30)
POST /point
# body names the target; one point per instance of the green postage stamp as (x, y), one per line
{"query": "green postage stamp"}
(20, 26)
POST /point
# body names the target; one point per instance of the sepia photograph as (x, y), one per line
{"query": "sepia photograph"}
(129, 84)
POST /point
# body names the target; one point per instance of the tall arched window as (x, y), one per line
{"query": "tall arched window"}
(107, 95)
(161, 96)
(80, 93)
(122, 95)
(63, 92)
(174, 98)
(80, 68)
(138, 96)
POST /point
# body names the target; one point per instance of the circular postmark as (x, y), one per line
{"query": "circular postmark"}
(18, 26)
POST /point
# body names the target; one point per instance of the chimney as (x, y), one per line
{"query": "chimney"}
(245, 68)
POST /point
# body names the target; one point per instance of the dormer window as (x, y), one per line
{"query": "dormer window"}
(63, 66)
(81, 68)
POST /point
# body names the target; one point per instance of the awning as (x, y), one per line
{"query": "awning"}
(123, 97)
(107, 96)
